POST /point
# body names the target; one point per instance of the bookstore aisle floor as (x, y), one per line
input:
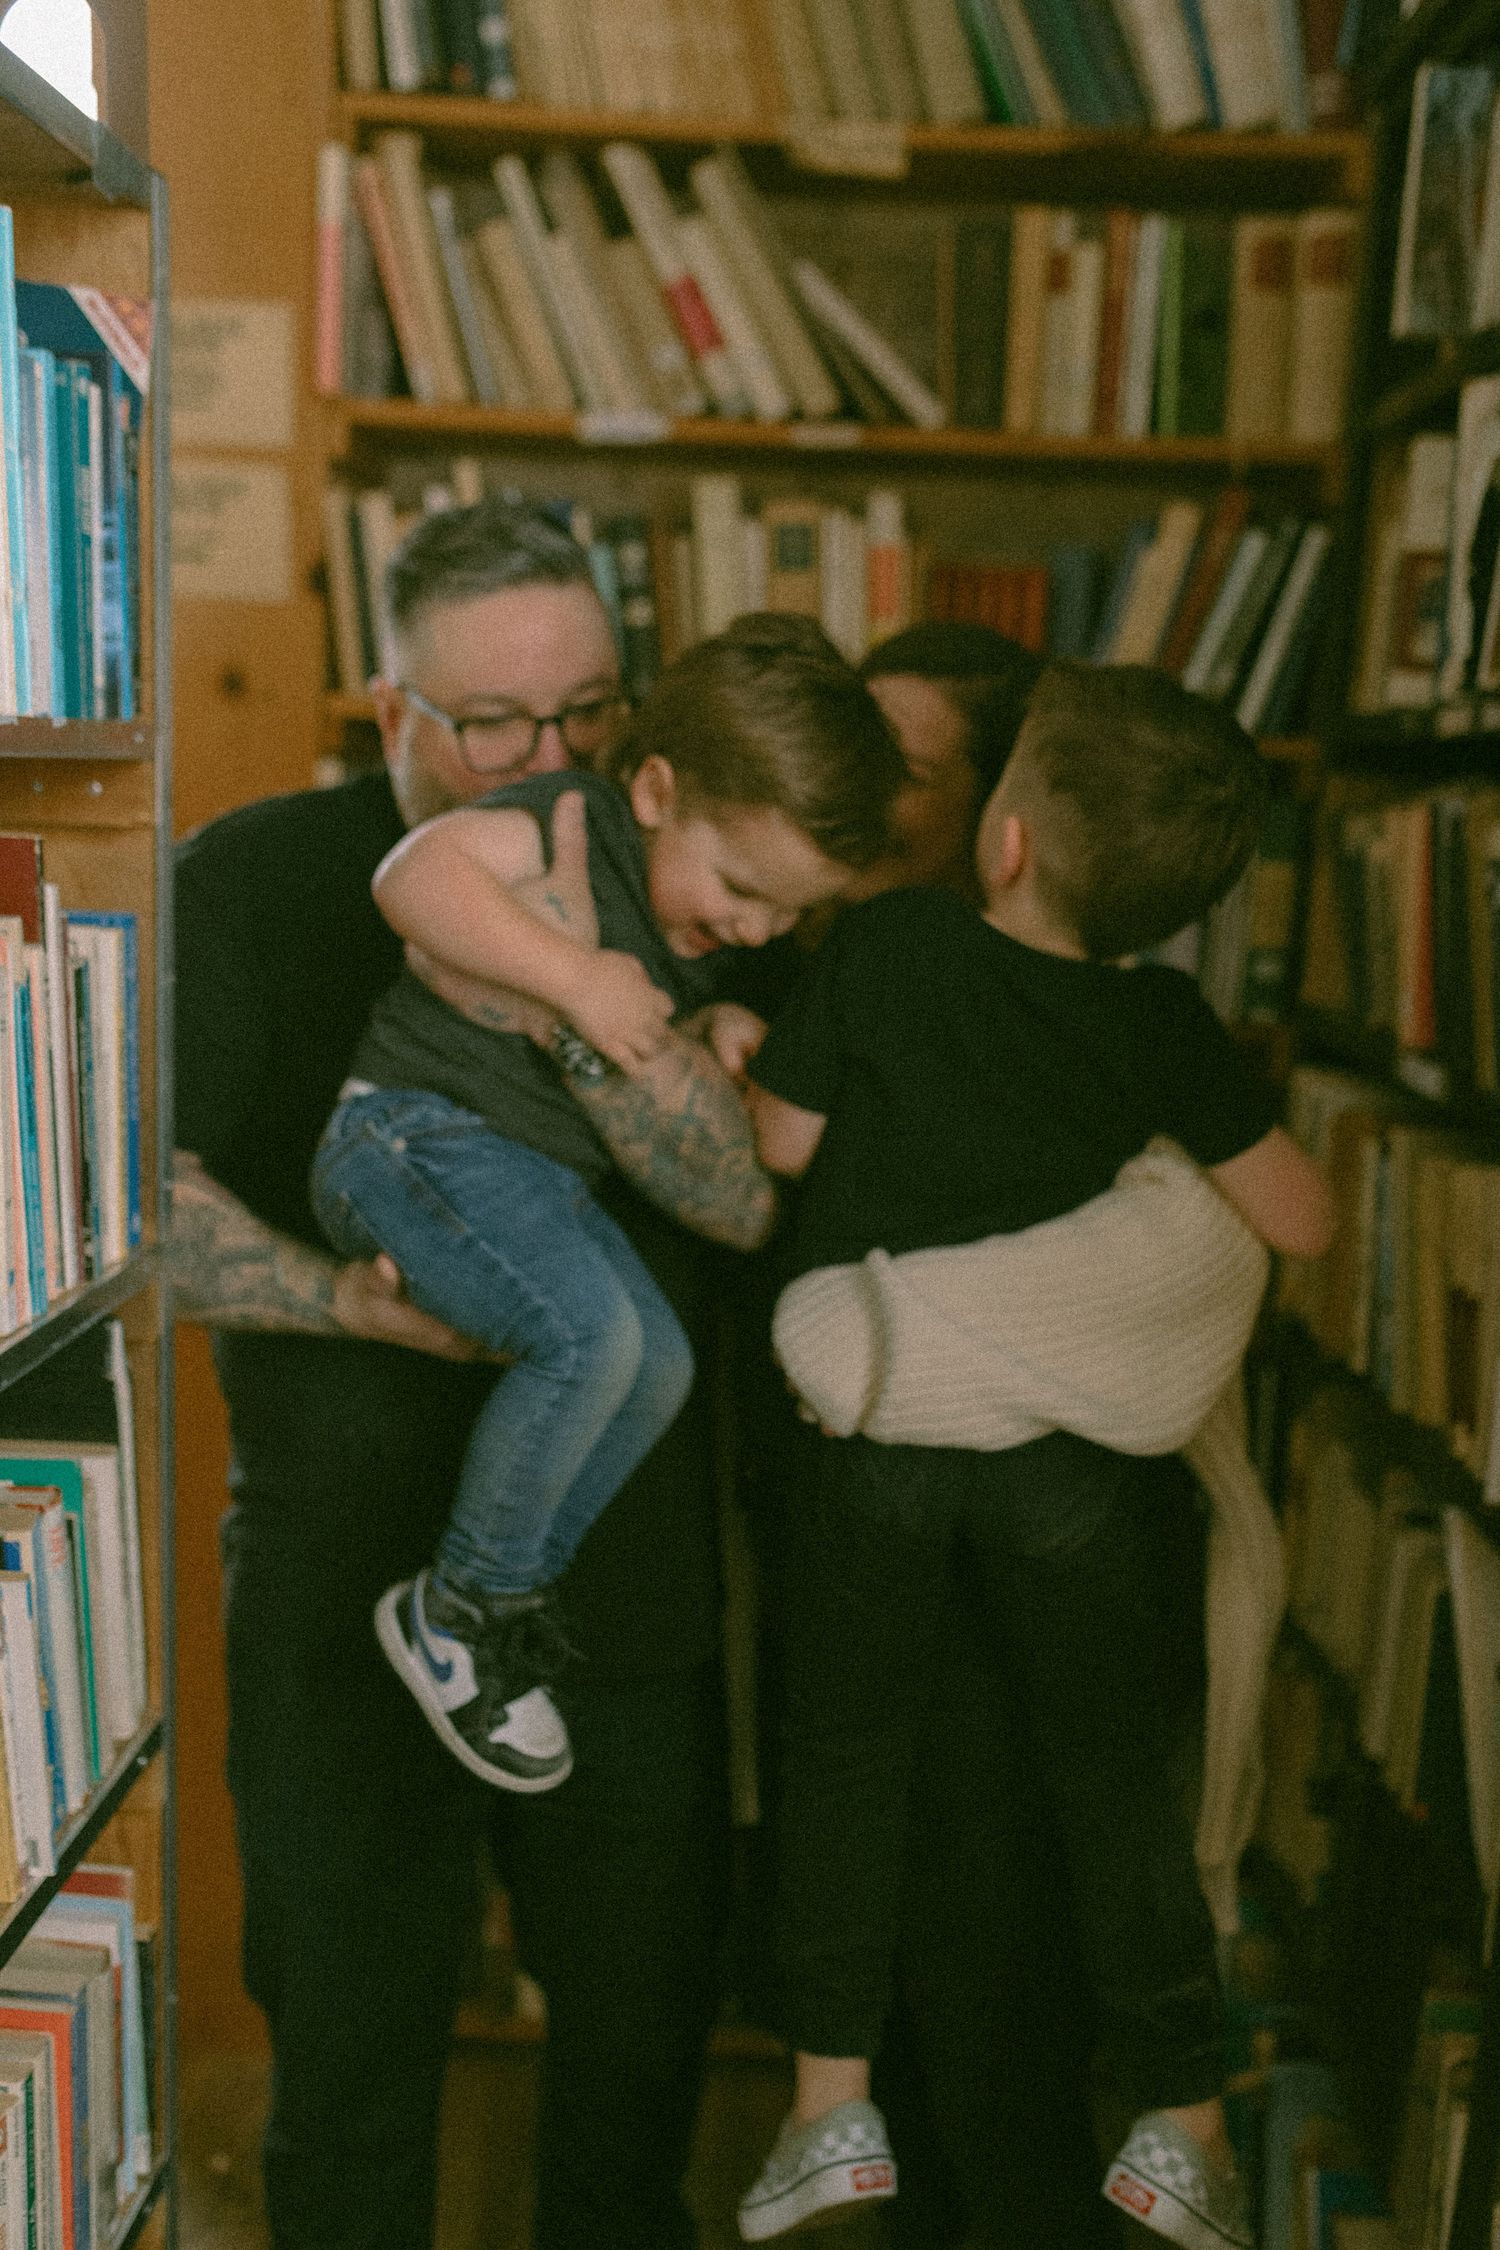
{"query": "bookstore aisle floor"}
(485, 2189)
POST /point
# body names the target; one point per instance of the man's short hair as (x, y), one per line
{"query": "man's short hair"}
(1145, 802)
(459, 554)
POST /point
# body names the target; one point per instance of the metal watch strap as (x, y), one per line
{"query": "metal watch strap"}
(575, 1058)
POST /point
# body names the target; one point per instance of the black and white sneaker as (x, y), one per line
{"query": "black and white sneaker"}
(479, 1670)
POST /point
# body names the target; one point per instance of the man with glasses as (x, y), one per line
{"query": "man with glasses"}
(349, 1411)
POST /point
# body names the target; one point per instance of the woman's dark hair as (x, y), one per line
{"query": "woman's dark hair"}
(985, 676)
(767, 713)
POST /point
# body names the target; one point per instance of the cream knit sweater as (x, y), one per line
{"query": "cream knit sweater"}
(1124, 1321)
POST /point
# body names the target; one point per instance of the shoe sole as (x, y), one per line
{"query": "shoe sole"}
(823, 2199)
(1154, 2206)
(391, 1638)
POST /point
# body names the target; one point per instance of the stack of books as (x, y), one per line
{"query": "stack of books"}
(70, 1154)
(77, 2129)
(1228, 603)
(1403, 933)
(1447, 278)
(74, 366)
(1233, 63)
(555, 289)
(1429, 630)
(1137, 324)
(569, 290)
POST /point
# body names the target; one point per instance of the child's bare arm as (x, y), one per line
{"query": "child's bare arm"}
(786, 1138)
(448, 888)
(1281, 1195)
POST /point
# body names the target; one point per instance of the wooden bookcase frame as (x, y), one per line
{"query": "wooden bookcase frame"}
(87, 210)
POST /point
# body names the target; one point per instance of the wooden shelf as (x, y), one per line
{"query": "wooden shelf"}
(87, 1824)
(1455, 360)
(130, 740)
(805, 441)
(47, 144)
(66, 1317)
(1269, 169)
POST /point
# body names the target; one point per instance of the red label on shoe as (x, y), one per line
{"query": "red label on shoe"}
(867, 2176)
(1132, 2195)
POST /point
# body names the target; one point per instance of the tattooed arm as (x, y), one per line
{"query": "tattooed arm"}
(675, 1125)
(230, 1270)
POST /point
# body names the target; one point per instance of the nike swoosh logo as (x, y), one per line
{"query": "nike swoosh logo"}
(440, 1667)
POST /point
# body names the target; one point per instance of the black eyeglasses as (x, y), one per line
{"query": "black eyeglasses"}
(505, 741)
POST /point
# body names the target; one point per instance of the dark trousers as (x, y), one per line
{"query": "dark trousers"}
(1063, 1545)
(362, 1841)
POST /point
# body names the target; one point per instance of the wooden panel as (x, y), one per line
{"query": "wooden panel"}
(247, 682)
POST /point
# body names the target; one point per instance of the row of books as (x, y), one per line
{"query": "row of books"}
(1229, 604)
(1403, 931)
(1236, 63)
(73, 375)
(1133, 324)
(1244, 954)
(77, 2110)
(1429, 629)
(1447, 278)
(70, 1155)
(556, 289)
(1409, 1295)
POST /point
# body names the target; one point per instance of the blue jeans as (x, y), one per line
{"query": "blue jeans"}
(511, 1249)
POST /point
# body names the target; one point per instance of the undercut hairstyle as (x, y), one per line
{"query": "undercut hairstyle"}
(460, 554)
(986, 676)
(1144, 803)
(768, 714)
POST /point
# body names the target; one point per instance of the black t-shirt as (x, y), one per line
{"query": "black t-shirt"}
(281, 954)
(975, 1086)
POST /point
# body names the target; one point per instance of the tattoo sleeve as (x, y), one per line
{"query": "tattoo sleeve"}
(680, 1135)
(230, 1270)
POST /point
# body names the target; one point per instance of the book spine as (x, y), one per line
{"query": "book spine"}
(400, 296)
(916, 399)
(10, 386)
(332, 224)
(650, 213)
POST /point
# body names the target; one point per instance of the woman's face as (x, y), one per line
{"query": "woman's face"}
(933, 818)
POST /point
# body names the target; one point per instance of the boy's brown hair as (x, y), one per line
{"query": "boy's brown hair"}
(1144, 802)
(767, 713)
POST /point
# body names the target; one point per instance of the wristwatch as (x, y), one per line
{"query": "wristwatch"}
(575, 1058)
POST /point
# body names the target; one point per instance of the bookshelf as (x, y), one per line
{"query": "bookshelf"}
(90, 212)
(1410, 743)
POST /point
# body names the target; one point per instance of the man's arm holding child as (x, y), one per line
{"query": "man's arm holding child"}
(675, 1126)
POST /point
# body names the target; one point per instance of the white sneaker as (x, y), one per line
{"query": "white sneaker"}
(820, 2173)
(1163, 2179)
(494, 1715)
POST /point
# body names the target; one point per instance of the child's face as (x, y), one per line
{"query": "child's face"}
(724, 874)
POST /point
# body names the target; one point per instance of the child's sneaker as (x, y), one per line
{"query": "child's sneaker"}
(820, 2173)
(1163, 2179)
(478, 1669)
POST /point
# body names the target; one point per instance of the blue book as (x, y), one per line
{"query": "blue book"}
(29, 1131)
(1197, 31)
(39, 481)
(67, 1475)
(88, 1120)
(85, 469)
(70, 585)
(130, 1090)
(68, 323)
(10, 416)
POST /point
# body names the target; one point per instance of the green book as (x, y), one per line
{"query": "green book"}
(1207, 279)
(1169, 334)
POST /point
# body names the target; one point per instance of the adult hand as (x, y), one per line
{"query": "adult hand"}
(370, 1301)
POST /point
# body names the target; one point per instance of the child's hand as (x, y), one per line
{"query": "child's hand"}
(620, 1011)
(733, 1035)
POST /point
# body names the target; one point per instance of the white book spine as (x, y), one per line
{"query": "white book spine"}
(718, 552)
(649, 210)
(1156, 34)
(20, 1684)
(1239, 42)
(951, 92)
(532, 241)
(1242, 568)
(916, 399)
(759, 377)
(658, 341)
(1272, 651)
(780, 321)
(118, 1361)
(398, 39)
(60, 1050)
